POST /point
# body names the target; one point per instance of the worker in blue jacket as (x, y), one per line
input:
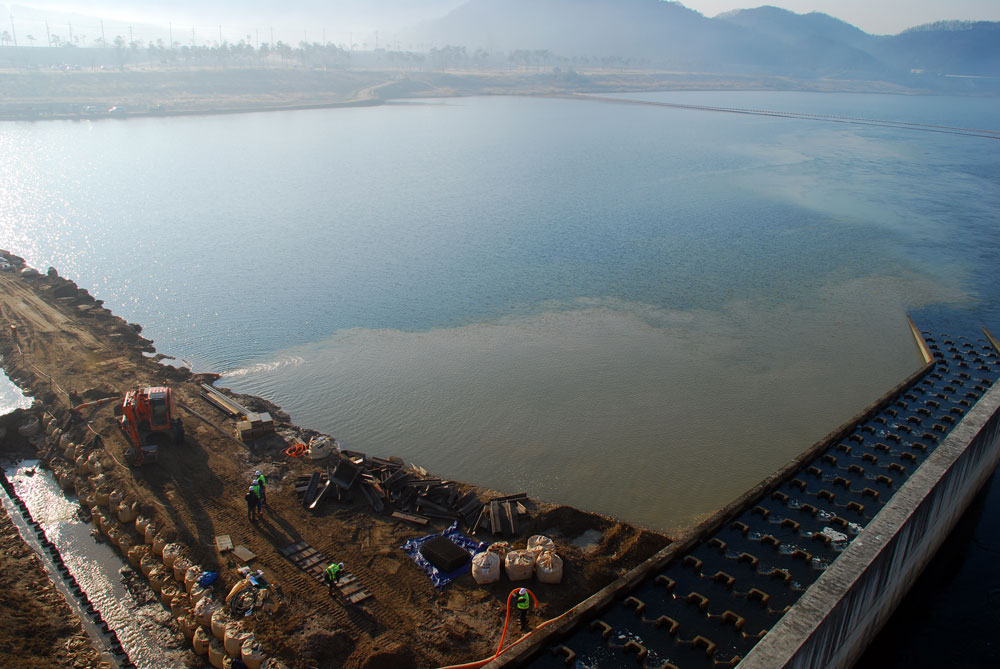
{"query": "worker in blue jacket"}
(253, 503)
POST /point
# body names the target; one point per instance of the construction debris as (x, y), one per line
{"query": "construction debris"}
(255, 426)
(250, 425)
(409, 493)
(223, 543)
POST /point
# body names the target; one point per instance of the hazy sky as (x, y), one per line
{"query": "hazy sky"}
(334, 16)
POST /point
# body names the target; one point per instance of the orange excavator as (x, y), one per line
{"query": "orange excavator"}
(145, 412)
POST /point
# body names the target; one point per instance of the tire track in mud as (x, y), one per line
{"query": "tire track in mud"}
(297, 586)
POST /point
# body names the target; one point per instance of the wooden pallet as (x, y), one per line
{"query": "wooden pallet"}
(351, 590)
(314, 563)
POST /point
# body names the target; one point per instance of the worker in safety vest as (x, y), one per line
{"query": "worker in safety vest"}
(523, 604)
(332, 573)
(252, 503)
(261, 482)
(258, 490)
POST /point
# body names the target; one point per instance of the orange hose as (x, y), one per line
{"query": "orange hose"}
(500, 649)
(296, 450)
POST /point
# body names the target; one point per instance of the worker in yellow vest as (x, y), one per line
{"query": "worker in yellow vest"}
(261, 482)
(523, 604)
(258, 491)
(332, 574)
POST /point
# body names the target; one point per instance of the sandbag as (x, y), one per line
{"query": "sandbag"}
(538, 544)
(200, 641)
(170, 553)
(501, 548)
(519, 565)
(200, 592)
(188, 627)
(180, 566)
(252, 654)
(191, 577)
(219, 621)
(127, 512)
(180, 604)
(159, 542)
(216, 653)
(549, 567)
(486, 567)
(147, 563)
(167, 593)
(204, 611)
(235, 637)
(157, 577)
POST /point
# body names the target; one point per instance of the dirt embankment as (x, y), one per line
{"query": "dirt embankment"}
(58, 343)
(39, 629)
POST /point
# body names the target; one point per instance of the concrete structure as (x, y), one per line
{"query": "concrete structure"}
(804, 569)
(833, 622)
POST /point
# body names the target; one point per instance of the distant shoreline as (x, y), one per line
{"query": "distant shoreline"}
(43, 95)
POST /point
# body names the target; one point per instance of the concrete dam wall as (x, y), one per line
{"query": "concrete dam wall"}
(845, 608)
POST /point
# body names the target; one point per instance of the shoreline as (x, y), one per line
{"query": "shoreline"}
(63, 341)
(35, 96)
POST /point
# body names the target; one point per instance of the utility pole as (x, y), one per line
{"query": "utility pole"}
(104, 42)
(47, 35)
(272, 37)
(12, 31)
(220, 35)
(70, 26)
(376, 40)
(170, 29)
(193, 42)
(324, 36)
(130, 40)
(256, 32)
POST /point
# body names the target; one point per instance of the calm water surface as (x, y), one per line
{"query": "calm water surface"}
(637, 310)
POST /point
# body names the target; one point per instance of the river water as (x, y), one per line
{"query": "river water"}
(634, 309)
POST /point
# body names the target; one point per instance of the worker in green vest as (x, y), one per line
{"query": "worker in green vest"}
(332, 573)
(523, 604)
(261, 482)
(258, 490)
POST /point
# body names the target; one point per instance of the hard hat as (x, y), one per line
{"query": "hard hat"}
(340, 564)
(522, 591)
(257, 473)
(251, 488)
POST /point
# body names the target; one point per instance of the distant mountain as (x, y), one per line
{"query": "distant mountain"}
(765, 40)
(820, 43)
(786, 25)
(601, 28)
(947, 47)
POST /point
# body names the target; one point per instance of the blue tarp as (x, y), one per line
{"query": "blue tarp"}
(438, 577)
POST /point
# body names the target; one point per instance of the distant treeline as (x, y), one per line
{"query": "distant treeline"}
(311, 55)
